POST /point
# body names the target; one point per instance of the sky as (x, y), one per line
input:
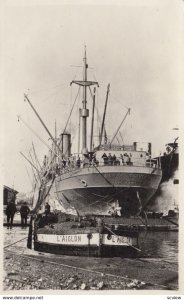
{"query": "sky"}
(136, 46)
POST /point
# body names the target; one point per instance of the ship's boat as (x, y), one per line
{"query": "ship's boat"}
(106, 180)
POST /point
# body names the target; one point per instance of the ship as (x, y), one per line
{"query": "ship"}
(103, 180)
(169, 161)
(166, 197)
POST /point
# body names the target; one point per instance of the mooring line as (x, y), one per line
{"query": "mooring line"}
(15, 242)
(117, 236)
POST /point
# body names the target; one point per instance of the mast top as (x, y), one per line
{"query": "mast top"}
(84, 112)
(85, 82)
(84, 51)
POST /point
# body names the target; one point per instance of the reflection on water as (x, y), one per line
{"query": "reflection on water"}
(160, 244)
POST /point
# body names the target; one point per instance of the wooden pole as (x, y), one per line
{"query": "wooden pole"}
(30, 233)
(79, 127)
(29, 162)
(92, 121)
(26, 98)
(128, 112)
(103, 121)
(84, 108)
(36, 157)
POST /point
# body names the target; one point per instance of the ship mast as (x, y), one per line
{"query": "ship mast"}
(103, 121)
(84, 112)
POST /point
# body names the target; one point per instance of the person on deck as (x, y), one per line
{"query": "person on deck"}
(114, 159)
(24, 211)
(122, 159)
(64, 163)
(10, 212)
(47, 209)
(86, 161)
(126, 158)
(93, 160)
(105, 158)
(110, 159)
(78, 163)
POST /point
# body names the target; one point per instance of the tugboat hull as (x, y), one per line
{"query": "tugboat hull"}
(87, 242)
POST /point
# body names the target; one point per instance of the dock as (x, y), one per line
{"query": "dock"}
(153, 224)
(134, 223)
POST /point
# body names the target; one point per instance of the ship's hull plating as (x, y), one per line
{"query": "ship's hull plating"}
(95, 190)
(169, 164)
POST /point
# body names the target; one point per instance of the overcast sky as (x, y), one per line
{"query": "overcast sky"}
(135, 48)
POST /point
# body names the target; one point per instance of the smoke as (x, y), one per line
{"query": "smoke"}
(166, 197)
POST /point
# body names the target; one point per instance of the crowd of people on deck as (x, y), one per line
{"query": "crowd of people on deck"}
(112, 160)
(74, 162)
(88, 160)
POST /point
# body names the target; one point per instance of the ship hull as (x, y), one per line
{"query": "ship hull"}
(169, 165)
(95, 190)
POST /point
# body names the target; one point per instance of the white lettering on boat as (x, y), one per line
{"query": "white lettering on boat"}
(74, 239)
(83, 240)
(118, 240)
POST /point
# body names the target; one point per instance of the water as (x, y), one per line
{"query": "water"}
(160, 244)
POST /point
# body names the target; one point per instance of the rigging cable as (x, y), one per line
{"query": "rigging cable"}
(121, 136)
(25, 123)
(71, 111)
(96, 109)
(47, 89)
(117, 192)
(116, 99)
(29, 177)
(34, 163)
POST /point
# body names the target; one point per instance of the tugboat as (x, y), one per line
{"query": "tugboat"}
(84, 237)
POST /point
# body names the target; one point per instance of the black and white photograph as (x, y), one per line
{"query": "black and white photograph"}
(90, 118)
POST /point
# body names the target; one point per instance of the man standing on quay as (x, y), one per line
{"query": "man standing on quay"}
(10, 212)
(24, 211)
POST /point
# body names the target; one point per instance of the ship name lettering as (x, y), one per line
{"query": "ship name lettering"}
(119, 240)
(113, 239)
(69, 238)
(58, 238)
(79, 238)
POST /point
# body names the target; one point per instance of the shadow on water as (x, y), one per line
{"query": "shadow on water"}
(159, 245)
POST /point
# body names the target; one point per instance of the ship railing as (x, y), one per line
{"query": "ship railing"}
(73, 167)
(134, 164)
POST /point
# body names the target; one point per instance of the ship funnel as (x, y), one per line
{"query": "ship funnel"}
(66, 144)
